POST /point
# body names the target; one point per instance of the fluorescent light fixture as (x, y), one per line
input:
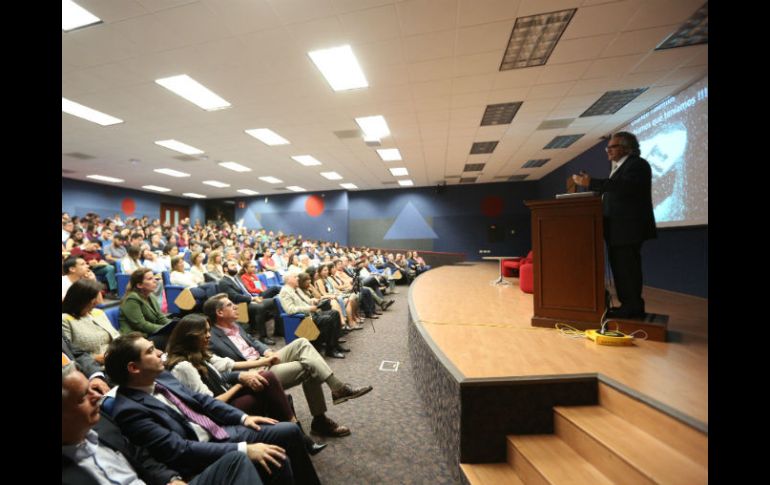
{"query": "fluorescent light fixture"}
(180, 147)
(533, 39)
(374, 126)
(405, 183)
(215, 183)
(194, 195)
(348, 186)
(340, 68)
(156, 188)
(331, 175)
(170, 172)
(268, 137)
(248, 191)
(236, 167)
(73, 16)
(295, 188)
(270, 180)
(306, 160)
(193, 91)
(104, 178)
(389, 154)
(75, 109)
(399, 171)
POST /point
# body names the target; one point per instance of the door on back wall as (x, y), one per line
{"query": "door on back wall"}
(173, 213)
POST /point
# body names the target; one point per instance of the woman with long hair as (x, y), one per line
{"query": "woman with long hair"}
(82, 323)
(325, 288)
(197, 269)
(139, 309)
(256, 393)
(214, 266)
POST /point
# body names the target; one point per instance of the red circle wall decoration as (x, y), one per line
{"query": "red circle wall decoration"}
(314, 206)
(492, 206)
(128, 206)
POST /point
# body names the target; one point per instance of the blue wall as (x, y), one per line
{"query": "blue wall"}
(676, 261)
(287, 213)
(79, 198)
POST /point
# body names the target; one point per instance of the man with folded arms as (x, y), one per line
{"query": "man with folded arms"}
(296, 363)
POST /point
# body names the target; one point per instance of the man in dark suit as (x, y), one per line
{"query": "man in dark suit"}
(187, 430)
(260, 309)
(93, 444)
(628, 218)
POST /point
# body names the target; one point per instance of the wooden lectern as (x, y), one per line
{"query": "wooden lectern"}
(568, 261)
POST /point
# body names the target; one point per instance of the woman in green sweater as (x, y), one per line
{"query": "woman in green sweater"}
(139, 310)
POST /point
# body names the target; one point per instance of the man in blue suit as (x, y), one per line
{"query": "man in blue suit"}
(187, 431)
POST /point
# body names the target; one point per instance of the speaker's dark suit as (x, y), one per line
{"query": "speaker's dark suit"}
(628, 221)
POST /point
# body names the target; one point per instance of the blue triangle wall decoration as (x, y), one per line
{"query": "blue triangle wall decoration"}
(410, 225)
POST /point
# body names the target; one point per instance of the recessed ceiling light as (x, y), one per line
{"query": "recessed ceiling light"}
(331, 175)
(236, 167)
(533, 38)
(295, 188)
(374, 126)
(104, 178)
(194, 195)
(268, 137)
(348, 186)
(248, 191)
(306, 160)
(563, 141)
(73, 16)
(193, 91)
(405, 183)
(399, 171)
(180, 147)
(156, 188)
(76, 109)
(389, 154)
(340, 68)
(172, 173)
(271, 180)
(216, 183)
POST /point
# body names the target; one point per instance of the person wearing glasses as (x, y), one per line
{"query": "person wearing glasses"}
(628, 218)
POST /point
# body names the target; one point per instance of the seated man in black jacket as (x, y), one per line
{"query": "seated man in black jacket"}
(92, 444)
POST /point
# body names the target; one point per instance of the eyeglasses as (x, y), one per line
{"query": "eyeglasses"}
(612, 146)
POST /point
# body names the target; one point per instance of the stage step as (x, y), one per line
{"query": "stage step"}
(490, 474)
(623, 452)
(547, 460)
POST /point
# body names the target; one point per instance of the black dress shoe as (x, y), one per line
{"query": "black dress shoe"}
(316, 448)
(335, 354)
(388, 304)
(267, 341)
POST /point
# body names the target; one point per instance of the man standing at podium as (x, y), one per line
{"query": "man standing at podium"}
(628, 218)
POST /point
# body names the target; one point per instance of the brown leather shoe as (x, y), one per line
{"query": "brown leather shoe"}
(324, 426)
(347, 392)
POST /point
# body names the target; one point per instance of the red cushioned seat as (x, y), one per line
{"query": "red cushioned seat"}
(511, 266)
(526, 278)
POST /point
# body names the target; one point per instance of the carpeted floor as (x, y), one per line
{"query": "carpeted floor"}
(391, 441)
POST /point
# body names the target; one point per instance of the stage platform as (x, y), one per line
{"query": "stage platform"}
(486, 372)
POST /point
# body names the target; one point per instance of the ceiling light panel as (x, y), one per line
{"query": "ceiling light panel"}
(468, 180)
(194, 195)
(694, 31)
(563, 141)
(535, 163)
(248, 191)
(399, 171)
(331, 175)
(156, 188)
(406, 183)
(295, 188)
(500, 114)
(268, 137)
(236, 167)
(533, 39)
(270, 180)
(348, 186)
(194, 92)
(216, 183)
(306, 160)
(73, 16)
(389, 154)
(474, 167)
(171, 173)
(180, 147)
(612, 101)
(104, 178)
(483, 147)
(89, 114)
(374, 126)
(340, 68)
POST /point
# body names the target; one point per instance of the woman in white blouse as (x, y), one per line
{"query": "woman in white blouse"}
(197, 270)
(82, 323)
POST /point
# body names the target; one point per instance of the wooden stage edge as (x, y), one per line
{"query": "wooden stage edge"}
(482, 337)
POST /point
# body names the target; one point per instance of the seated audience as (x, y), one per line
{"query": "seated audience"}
(74, 269)
(139, 310)
(82, 323)
(178, 276)
(260, 309)
(93, 257)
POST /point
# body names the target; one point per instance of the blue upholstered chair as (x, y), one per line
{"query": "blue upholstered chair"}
(290, 322)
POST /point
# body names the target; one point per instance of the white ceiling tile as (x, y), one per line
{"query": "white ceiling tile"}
(549, 90)
(484, 38)
(507, 95)
(112, 12)
(424, 16)
(431, 89)
(533, 7)
(441, 116)
(435, 45)
(383, 75)
(592, 86)
(244, 16)
(656, 13)
(612, 66)
(700, 56)
(469, 100)
(383, 53)
(639, 80)
(433, 104)
(477, 64)
(294, 11)
(605, 18)
(372, 25)
(491, 133)
(518, 78)
(473, 84)
(473, 12)
(193, 23)
(318, 34)
(637, 41)
(567, 51)
(268, 45)
(663, 60)
(684, 76)
(563, 72)
(431, 70)
(345, 6)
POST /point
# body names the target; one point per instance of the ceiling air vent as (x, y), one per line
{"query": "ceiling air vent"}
(553, 124)
(535, 163)
(474, 167)
(468, 180)
(79, 156)
(186, 158)
(563, 141)
(483, 147)
(500, 114)
(343, 134)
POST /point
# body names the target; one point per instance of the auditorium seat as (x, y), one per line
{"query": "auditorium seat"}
(123, 279)
(113, 313)
(290, 322)
(172, 292)
(511, 267)
(526, 278)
